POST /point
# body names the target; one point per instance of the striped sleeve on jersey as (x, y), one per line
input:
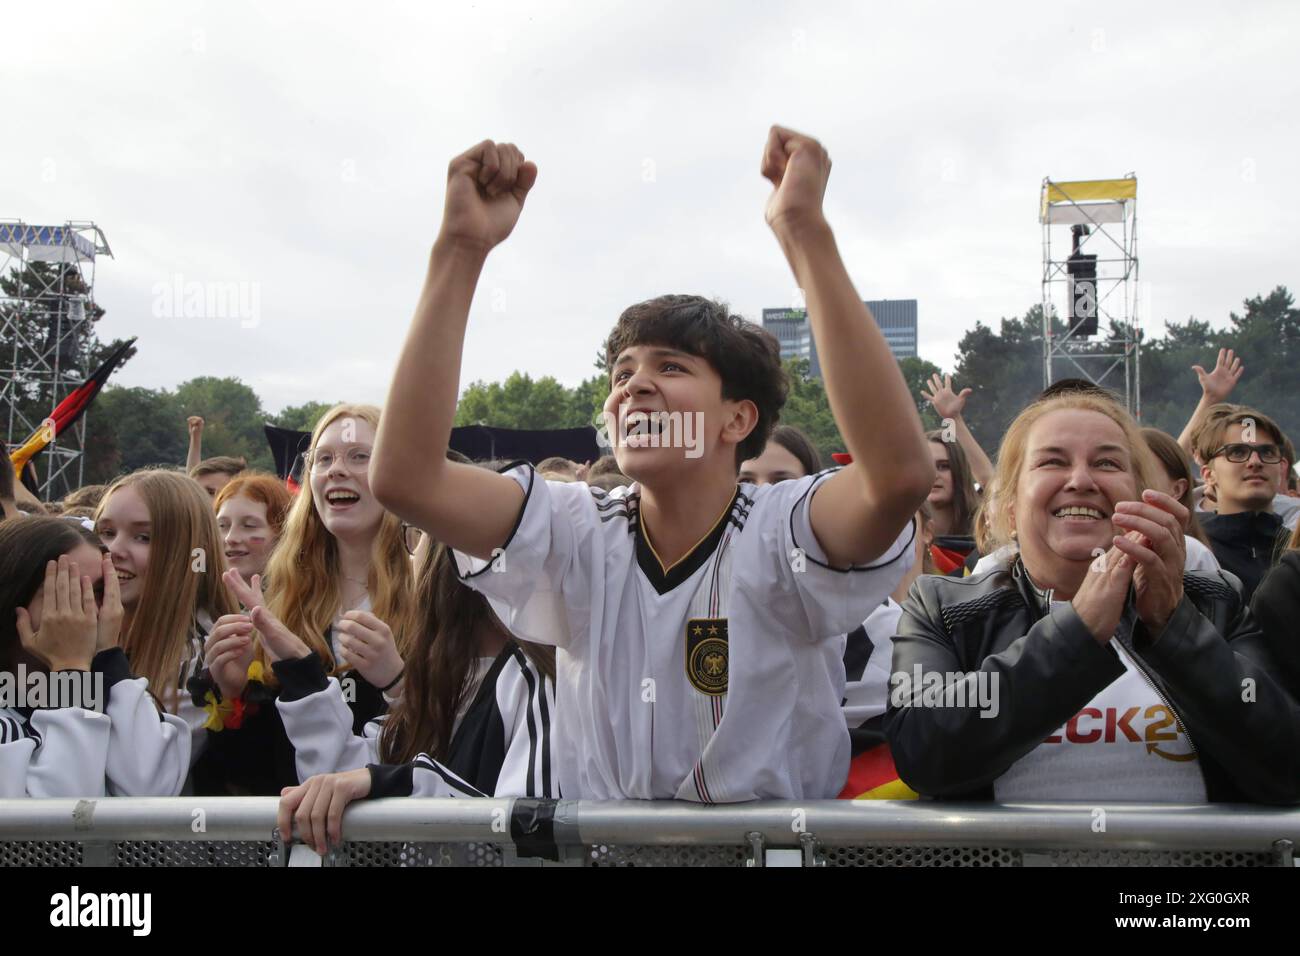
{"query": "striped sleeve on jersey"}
(421, 777)
(526, 700)
(13, 728)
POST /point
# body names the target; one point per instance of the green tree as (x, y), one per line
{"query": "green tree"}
(1267, 337)
(1004, 370)
(587, 399)
(302, 417)
(519, 402)
(809, 410)
(133, 428)
(917, 372)
(232, 415)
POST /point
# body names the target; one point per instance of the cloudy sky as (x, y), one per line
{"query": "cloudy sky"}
(299, 151)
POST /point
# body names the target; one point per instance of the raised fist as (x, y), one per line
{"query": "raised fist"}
(486, 187)
(799, 168)
(195, 424)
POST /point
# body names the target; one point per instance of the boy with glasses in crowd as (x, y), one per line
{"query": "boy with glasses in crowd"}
(1243, 454)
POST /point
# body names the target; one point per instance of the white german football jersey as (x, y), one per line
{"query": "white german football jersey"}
(717, 679)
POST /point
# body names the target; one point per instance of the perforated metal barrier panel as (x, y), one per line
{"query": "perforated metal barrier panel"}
(256, 853)
(519, 832)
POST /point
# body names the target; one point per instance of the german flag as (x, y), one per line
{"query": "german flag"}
(67, 412)
(949, 554)
(872, 775)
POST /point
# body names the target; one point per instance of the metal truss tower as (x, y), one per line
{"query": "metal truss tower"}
(47, 311)
(1090, 285)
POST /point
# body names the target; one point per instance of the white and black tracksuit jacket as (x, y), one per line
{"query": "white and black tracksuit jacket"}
(128, 749)
(502, 744)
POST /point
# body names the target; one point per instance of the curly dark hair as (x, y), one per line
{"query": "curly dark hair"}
(746, 357)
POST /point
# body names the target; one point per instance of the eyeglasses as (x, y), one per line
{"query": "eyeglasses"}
(355, 460)
(1241, 451)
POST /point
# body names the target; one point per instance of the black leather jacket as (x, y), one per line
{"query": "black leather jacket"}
(1048, 666)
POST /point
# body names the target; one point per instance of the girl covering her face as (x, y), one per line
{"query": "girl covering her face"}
(61, 610)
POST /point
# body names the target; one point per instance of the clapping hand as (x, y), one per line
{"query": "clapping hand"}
(1101, 597)
(369, 646)
(1158, 549)
(227, 653)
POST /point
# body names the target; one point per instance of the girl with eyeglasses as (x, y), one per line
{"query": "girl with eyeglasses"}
(339, 582)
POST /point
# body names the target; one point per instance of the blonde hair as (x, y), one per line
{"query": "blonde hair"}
(183, 577)
(303, 571)
(1001, 500)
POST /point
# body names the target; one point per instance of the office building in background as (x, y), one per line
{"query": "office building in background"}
(896, 318)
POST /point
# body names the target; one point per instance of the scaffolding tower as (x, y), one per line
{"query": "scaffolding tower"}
(1090, 286)
(47, 311)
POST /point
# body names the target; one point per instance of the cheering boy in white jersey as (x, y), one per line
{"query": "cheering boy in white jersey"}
(699, 624)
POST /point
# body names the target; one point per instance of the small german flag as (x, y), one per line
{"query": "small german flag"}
(67, 412)
(872, 775)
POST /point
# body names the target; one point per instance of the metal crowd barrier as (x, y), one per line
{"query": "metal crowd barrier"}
(240, 831)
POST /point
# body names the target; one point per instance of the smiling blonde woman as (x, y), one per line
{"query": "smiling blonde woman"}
(1113, 673)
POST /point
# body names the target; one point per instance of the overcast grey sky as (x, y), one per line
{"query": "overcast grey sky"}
(301, 150)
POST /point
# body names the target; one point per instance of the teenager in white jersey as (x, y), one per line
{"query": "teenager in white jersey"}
(697, 621)
(84, 725)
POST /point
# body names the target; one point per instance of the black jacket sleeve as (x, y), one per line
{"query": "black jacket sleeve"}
(1276, 606)
(1238, 714)
(1040, 681)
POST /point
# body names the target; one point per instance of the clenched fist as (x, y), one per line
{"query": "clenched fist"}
(799, 168)
(486, 187)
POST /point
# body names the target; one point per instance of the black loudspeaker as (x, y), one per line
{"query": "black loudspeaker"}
(1083, 294)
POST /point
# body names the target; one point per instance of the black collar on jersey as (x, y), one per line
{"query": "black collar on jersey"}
(665, 579)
